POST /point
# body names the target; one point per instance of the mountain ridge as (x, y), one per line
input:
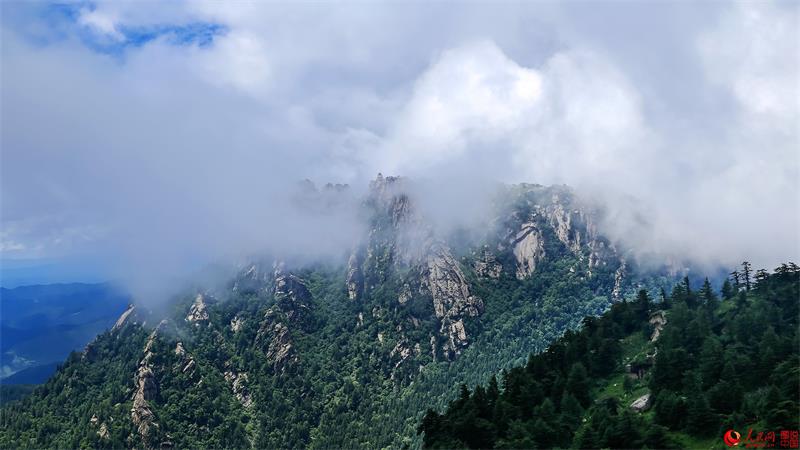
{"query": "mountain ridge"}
(369, 340)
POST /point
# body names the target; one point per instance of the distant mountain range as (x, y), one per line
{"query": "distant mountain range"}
(41, 324)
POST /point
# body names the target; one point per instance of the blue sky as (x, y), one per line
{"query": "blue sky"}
(141, 138)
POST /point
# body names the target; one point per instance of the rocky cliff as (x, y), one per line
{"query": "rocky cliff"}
(403, 248)
(361, 339)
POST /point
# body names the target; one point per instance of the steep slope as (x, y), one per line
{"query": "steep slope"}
(287, 355)
(703, 366)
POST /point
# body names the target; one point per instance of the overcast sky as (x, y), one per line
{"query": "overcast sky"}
(146, 135)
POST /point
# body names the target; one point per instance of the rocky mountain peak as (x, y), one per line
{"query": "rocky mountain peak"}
(123, 318)
(198, 311)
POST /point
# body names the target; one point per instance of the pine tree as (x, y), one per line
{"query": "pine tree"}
(708, 292)
(519, 436)
(571, 412)
(700, 419)
(727, 290)
(578, 384)
(669, 410)
(492, 391)
(746, 270)
(737, 280)
(642, 306)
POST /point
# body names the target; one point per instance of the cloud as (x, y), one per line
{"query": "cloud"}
(751, 51)
(100, 22)
(174, 143)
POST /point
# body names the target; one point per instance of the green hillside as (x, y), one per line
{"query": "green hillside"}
(717, 364)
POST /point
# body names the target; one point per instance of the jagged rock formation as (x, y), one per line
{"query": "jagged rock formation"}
(657, 319)
(198, 312)
(353, 280)
(486, 264)
(528, 246)
(236, 324)
(407, 297)
(401, 242)
(275, 338)
(103, 431)
(541, 210)
(291, 310)
(291, 295)
(146, 390)
(238, 383)
(452, 300)
(619, 277)
(186, 363)
(123, 319)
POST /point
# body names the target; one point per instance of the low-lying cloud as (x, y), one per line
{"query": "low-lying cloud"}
(130, 137)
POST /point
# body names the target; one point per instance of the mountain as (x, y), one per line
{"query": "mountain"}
(347, 353)
(41, 324)
(674, 374)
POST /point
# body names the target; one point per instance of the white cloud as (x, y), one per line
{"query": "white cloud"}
(100, 22)
(240, 60)
(753, 51)
(170, 147)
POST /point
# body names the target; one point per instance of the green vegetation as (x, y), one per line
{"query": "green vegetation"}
(344, 391)
(717, 364)
(14, 392)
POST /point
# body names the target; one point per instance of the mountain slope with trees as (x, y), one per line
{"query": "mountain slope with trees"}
(716, 364)
(342, 354)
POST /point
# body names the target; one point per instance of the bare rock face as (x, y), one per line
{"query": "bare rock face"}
(187, 363)
(657, 319)
(402, 242)
(619, 277)
(189, 366)
(573, 223)
(123, 319)
(103, 432)
(528, 248)
(354, 281)
(238, 383)
(642, 403)
(236, 324)
(275, 338)
(291, 311)
(486, 265)
(198, 311)
(146, 390)
(291, 295)
(452, 300)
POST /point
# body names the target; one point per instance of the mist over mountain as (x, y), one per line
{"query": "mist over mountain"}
(338, 222)
(164, 171)
(291, 347)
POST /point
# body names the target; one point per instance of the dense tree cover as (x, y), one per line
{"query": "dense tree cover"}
(718, 364)
(345, 384)
(14, 392)
(57, 413)
(345, 390)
